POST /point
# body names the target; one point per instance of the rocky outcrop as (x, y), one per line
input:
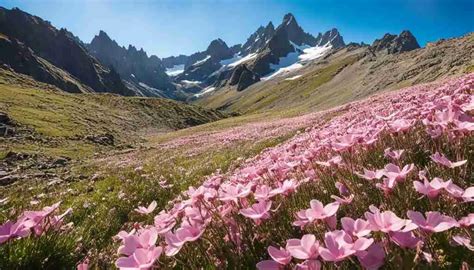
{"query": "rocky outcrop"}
(258, 40)
(331, 37)
(218, 50)
(172, 61)
(143, 72)
(242, 77)
(393, 44)
(200, 66)
(200, 71)
(295, 32)
(21, 59)
(60, 49)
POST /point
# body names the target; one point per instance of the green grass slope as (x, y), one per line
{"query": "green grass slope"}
(347, 75)
(59, 121)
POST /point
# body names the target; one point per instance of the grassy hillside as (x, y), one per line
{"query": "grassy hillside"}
(346, 75)
(61, 122)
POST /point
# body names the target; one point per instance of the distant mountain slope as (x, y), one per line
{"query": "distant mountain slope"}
(350, 73)
(146, 75)
(17, 56)
(265, 51)
(54, 122)
(61, 49)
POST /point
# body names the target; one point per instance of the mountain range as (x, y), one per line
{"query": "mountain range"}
(32, 46)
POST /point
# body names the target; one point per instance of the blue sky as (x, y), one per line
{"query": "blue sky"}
(167, 28)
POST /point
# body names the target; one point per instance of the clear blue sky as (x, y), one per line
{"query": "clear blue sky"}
(167, 28)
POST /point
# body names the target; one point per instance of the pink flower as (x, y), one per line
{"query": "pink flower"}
(428, 257)
(232, 192)
(257, 211)
(83, 265)
(468, 195)
(343, 200)
(401, 125)
(262, 193)
(404, 239)
(430, 189)
(319, 211)
(141, 259)
(434, 222)
(395, 154)
(454, 190)
(345, 142)
(37, 220)
(281, 256)
(186, 233)
(356, 228)
(467, 221)
(145, 239)
(146, 210)
(343, 190)
(10, 230)
(387, 221)
(288, 187)
(393, 172)
(371, 175)
(461, 240)
(164, 222)
(309, 265)
(269, 265)
(373, 258)
(306, 248)
(334, 161)
(443, 160)
(339, 246)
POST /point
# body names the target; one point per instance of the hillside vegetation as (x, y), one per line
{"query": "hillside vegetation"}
(68, 124)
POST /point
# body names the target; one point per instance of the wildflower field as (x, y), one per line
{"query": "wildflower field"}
(381, 183)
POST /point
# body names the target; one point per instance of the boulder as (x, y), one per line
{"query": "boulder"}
(103, 139)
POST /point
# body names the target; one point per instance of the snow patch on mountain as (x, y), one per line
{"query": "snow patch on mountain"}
(149, 88)
(190, 82)
(205, 91)
(175, 70)
(237, 60)
(202, 60)
(313, 53)
(296, 60)
(293, 78)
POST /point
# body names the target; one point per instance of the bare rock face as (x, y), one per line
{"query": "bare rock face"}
(332, 37)
(393, 44)
(257, 40)
(201, 65)
(219, 50)
(243, 77)
(295, 32)
(61, 49)
(133, 65)
(15, 55)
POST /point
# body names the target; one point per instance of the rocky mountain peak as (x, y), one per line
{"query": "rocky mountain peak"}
(102, 39)
(392, 44)
(218, 49)
(288, 19)
(332, 37)
(134, 66)
(61, 49)
(103, 35)
(295, 33)
(258, 39)
(270, 27)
